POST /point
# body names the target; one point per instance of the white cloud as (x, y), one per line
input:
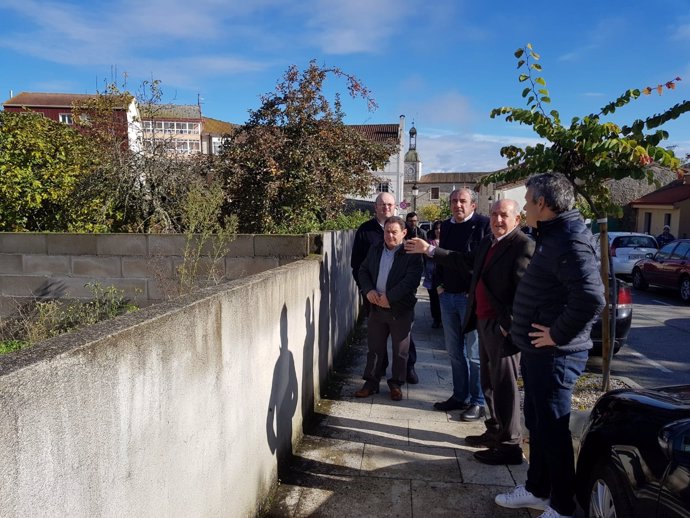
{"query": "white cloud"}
(465, 152)
(450, 108)
(354, 26)
(681, 33)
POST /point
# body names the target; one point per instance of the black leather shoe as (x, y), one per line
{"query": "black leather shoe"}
(499, 456)
(473, 413)
(485, 440)
(412, 377)
(450, 404)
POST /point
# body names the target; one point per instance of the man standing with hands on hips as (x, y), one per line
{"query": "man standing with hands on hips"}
(558, 299)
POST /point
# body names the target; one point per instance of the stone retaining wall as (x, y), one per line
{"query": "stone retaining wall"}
(142, 265)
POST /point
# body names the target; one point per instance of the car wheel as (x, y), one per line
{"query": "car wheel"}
(638, 280)
(685, 289)
(608, 495)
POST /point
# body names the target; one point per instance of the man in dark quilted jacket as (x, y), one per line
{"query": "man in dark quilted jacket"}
(557, 300)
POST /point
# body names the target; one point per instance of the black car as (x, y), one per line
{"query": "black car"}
(621, 300)
(634, 455)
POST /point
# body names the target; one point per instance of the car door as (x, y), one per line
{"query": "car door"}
(674, 496)
(669, 271)
(654, 270)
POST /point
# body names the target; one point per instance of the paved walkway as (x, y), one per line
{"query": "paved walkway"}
(375, 457)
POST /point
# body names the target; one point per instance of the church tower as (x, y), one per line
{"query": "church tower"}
(413, 172)
(413, 165)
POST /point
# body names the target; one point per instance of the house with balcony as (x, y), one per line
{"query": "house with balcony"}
(176, 128)
(60, 107)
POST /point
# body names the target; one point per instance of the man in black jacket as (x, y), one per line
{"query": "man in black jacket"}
(558, 299)
(370, 233)
(389, 279)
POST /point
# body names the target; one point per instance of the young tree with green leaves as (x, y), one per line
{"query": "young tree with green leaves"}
(590, 151)
(42, 163)
(292, 165)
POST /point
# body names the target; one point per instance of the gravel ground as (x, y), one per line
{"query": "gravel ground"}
(588, 389)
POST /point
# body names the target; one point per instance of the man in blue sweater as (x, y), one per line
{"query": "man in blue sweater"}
(557, 300)
(461, 233)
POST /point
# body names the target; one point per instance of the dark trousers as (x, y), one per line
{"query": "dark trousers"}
(435, 305)
(549, 379)
(382, 324)
(498, 375)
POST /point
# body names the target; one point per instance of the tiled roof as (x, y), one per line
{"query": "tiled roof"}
(454, 178)
(382, 133)
(674, 192)
(170, 111)
(217, 127)
(47, 100)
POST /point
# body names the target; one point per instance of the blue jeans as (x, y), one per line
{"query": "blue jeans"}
(463, 350)
(549, 380)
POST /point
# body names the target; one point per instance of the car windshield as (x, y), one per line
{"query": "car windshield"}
(634, 242)
(682, 251)
(665, 251)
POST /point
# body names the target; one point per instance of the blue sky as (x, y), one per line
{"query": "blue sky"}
(444, 64)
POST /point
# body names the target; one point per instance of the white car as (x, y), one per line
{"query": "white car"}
(626, 248)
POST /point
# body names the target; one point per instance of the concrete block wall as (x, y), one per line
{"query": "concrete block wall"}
(142, 265)
(180, 409)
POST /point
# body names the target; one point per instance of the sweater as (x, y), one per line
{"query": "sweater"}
(461, 237)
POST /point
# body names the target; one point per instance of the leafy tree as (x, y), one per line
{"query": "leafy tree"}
(291, 166)
(141, 188)
(42, 163)
(431, 212)
(589, 151)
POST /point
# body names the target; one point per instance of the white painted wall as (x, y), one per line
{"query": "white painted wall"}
(178, 410)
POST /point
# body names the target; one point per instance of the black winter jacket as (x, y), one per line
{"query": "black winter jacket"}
(403, 279)
(369, 233)
(561, 288)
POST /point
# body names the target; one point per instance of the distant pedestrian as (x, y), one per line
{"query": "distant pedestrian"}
(389, 279)
(557, 301)
(430, 281)
(412, 225)
(665, 237)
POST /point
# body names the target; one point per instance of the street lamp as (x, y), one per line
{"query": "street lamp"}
(415, 193)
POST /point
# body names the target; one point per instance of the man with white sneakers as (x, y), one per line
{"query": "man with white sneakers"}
(556, 302)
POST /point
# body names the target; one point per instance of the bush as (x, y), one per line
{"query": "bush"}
(43, 319)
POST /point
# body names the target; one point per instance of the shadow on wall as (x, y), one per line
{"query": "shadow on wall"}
(283, 401)
(308, 362)
(324, 314)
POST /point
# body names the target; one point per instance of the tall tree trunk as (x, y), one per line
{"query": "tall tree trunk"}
(606, 347)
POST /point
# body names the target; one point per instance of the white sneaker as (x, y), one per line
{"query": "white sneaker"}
(520, 497)
(550, 512)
